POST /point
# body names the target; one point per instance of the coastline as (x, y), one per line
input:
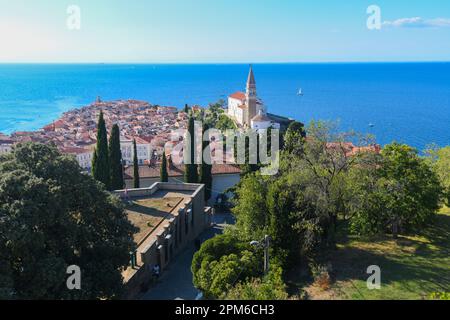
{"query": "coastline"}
(402, 105)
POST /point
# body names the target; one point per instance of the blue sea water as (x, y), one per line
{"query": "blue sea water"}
(406, 102)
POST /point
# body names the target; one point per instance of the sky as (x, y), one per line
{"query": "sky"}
(222, 31)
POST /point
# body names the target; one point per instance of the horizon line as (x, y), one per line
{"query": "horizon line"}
(217, 62)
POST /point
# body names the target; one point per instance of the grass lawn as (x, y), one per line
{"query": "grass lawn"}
(412, 267)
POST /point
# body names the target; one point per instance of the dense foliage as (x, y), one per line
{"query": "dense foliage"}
(294, 138)
(401, 193)
(53, 216)
(222, 262)
(440, 162)
(269, 287)
(325, 178)
(100, 161)
(115, 159)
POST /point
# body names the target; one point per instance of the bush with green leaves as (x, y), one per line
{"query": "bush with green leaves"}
(222, 262)
(269, 287)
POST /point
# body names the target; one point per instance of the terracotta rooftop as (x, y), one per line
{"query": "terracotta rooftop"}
(153, 171)
(238, 95)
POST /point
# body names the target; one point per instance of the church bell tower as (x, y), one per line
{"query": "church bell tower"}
(251, 98)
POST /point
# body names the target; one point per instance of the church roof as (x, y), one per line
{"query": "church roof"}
(238, 95)
(261, 118)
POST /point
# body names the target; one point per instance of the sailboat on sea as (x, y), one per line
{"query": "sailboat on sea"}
(300, 92)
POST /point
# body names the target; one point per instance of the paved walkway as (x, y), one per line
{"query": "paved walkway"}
(176, 281)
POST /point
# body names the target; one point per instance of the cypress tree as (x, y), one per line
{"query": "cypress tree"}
(163, 172)
(191, 172)
(115, 158)
(136, 179)
(100, 162)
(206, 169)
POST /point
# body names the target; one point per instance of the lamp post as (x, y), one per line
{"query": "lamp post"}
(265, 244)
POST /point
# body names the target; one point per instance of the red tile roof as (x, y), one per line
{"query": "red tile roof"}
(153, 171)
(238, 95)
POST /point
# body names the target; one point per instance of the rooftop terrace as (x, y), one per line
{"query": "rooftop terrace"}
(152, 210)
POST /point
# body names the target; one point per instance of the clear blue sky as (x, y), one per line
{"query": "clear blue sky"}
(223, 31)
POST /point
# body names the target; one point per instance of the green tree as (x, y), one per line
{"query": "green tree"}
(191, 172)
(441, 165)
(299, 206)
(316, 168)
(164, 176)
(250, 207)
(100, 163)
(53, 216)
(224, 123)
(186, 108)
(294, 138)
(206, 169)
(136, 178)
(270, 287)
(222, 262)
(115, 157)
(402, 195)
(280, 206)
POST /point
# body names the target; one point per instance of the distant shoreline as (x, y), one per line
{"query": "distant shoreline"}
(406, 101)
(225, 63)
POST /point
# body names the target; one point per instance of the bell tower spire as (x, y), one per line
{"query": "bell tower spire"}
(251, 97)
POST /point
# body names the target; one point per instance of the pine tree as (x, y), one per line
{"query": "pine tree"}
(206, 170)
(115, 158)
(100, 162)
(191, 172)
(163, 173)
(136, 179)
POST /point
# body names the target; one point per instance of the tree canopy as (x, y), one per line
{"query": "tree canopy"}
(222, 262)
(100, 162)
(440, 158)
(400, 194)
(325, 179)
(53, 216)
(115, 159)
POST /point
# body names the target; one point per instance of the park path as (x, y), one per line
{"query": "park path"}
(176, 281)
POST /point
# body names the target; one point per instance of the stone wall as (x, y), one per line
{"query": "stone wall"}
(191, 219)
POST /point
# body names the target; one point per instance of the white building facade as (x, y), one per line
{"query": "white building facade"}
(6, 144)
(144, 150)
(5, 148)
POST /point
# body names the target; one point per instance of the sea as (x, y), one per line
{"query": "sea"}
(403, 102)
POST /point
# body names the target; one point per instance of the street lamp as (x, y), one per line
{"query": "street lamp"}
(265, 244)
